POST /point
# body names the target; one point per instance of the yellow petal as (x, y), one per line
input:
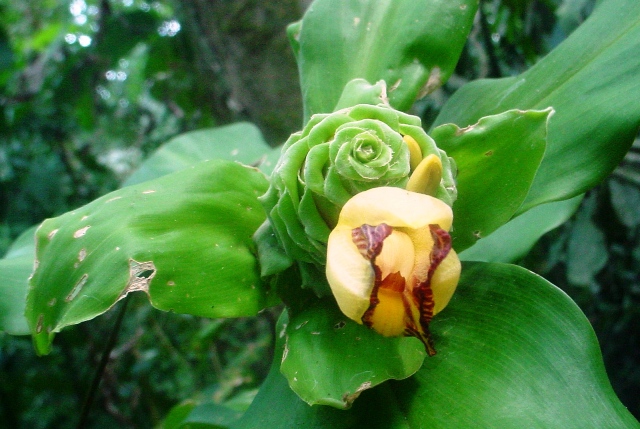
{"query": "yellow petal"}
(427, 176)
(397, 255)
(397, 208)
(415, 153)
(350, 275)
(389, 316)
(444, 281)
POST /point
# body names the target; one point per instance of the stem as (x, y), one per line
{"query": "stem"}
(93, 389)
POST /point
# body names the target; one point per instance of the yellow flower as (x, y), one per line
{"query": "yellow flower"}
(389, 261)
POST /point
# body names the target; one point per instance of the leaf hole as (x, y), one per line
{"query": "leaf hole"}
(140, 276)
(146, 274)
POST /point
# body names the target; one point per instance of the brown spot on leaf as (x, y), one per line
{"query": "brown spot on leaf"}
(285, 352)
(434, 82)
(395, 85)
(77, 287)
(81, 232)
(52, 234)
(39, 323)
(349, 398)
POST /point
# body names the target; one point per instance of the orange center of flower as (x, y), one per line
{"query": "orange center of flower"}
(401, 301)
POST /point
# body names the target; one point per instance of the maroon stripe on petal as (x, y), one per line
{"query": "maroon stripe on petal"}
(368, 239)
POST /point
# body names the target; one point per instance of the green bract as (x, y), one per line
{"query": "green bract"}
(334, 157)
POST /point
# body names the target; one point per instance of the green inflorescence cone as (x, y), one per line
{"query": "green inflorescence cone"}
(334, 157)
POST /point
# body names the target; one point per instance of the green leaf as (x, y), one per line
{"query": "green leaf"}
(330, 359)
(591, 81)
(206, 412)
(184, 239)
(207, 415)
(13, 294)
(513, 352)
(15, 269)
(513, 240)
(625, 199)
(277, 406)
(413, 45)
(24, 245)
(587, 251)
(241, 142)
(497, 159)
(178, 414)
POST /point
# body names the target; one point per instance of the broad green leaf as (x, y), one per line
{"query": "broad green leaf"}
(513, 240)
(178, 414)
(497, 159)
(13, 293)
(184, 239)
(413, 45)
(330, 359)
(240, 142)
(591, 81)
(208, 415)
(23, 245)
(15, 269)
(277, 406)
(513, 352)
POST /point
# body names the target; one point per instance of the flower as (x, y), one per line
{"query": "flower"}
(390, 264)
(337, 156)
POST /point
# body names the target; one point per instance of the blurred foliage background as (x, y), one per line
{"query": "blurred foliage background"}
(91, 87)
